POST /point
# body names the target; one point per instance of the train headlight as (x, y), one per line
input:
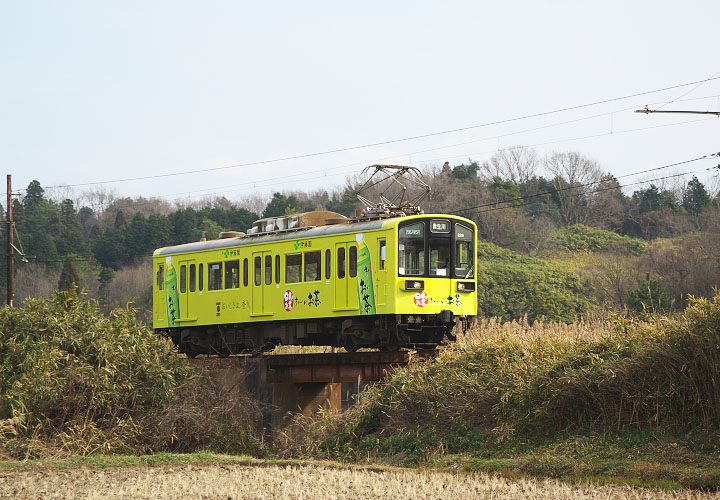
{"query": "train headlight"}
(465, 286)
(416, 285)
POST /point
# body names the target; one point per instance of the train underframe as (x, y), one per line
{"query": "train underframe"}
(385, 332)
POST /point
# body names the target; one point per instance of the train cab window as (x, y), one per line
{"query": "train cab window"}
(232, 274)
(160, 277)
(341, 262)
(464, 251)
(268, 270)
(293, 264)
(183, 279)
(328, 258)
(411, 250)
(200, 277)
(312, 266)
(352, 261)
(215, 276)
(258, 271)
(277, 269)
(383, 255)
(245, 272)
(192, 277)
(439, 257)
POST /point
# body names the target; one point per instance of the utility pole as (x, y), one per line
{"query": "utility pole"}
(10, 246)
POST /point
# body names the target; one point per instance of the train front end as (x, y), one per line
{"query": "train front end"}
(436, 277)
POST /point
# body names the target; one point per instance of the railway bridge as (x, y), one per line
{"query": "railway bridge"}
(288, 384)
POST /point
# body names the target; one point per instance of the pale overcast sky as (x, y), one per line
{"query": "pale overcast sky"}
(95, 91)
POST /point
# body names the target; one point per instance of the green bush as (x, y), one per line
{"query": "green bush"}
(511, 286)
(649, 297)
(70, 372)
(581, 238)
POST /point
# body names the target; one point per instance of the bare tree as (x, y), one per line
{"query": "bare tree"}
(516, 163)
(574, 176)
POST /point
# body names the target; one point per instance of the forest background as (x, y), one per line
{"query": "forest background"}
(559, 237)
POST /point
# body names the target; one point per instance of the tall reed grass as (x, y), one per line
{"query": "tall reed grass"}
(540, 379)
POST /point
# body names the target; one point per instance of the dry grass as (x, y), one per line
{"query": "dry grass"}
(522, 329)
(301, 482)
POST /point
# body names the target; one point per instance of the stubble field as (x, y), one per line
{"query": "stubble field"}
(230, 481)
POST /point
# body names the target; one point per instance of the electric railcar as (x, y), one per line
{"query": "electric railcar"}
(319, 279)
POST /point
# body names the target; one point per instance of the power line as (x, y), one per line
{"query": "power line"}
(599, 190)
(394, 141)
(553, 191)
(688, 92)
(580, 138)
(273, 180)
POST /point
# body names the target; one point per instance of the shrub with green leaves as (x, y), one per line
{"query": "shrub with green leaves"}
(649, 297)
(582, 238)
(511, 286)
(70, 372)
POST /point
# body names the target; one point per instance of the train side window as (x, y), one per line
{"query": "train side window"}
(200, 277)
(277, 269)
(192, 277)
(183, 279)
(160, 277)
(341, 262)
(232, 274)
(312, 266)
(383, 255)
(258, 271)
(245, 272)
(215, 276)
(328, 258)
(352, 264)
(268, 270)
(293, 264)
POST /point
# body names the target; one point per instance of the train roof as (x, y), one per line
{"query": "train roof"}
(292, 234)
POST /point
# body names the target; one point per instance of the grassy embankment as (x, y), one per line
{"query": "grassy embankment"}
(634, 402)
(630, 401)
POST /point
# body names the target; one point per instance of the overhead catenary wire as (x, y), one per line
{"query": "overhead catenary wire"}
(283, 180)
(394, 141)
(703, 82)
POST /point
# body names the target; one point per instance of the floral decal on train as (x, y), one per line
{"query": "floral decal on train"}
(288, 300)
(421, 299)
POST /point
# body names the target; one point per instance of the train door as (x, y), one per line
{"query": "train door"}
(159, 300)
(187, 288)
(380, 270)
(346, 294)
(259, 271)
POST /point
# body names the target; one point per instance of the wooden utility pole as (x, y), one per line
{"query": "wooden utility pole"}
(10, 247)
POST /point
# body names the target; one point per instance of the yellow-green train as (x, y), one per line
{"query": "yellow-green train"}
(319, 279)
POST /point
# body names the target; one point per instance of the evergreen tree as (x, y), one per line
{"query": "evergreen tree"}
(105, 278)
(282, 205)
(120, 221)
(650, 297)
(69, 276)
(695, 198)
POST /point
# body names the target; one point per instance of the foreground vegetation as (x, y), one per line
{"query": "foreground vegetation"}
(73, 380)
(635, 399)
(627, 400)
